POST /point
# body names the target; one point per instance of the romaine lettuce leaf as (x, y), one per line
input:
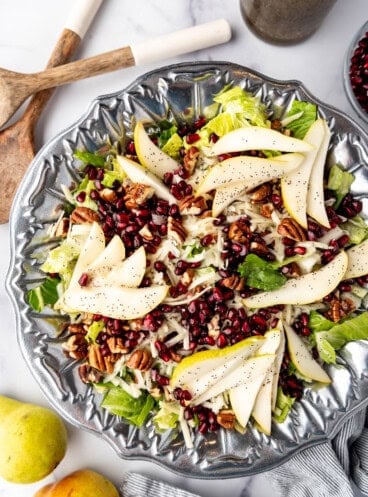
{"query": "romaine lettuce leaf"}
(244, 107)
(357, 229)
(94, 330)
(173, 145)
(284, 403)
(44, 294)
(339, 181)
(260, 274)
(329, 336)
(300, 126)
(90, 158)
(167, 417)
(135, 410)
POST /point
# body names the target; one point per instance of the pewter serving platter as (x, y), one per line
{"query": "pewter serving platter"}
(175, 91)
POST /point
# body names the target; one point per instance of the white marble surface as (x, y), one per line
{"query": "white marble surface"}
(28, 32)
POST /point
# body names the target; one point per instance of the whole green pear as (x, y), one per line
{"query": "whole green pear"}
(33, 441)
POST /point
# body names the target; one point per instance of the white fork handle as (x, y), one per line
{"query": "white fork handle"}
(82, 15)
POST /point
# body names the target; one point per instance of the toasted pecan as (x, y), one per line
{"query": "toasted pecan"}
(291, 229)
(84, 215)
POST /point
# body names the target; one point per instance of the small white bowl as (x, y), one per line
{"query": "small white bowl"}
(360, 35)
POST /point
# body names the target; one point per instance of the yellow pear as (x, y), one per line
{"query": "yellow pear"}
(81, 483)
(33, 441)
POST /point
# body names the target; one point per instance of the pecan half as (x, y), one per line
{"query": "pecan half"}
(187, 277)
(239, 231)
(192, 205)
(76, 346)
(190, 160)
(226, 419)
(116, 345)
(77, 328)
(266, 210)
(338, 309)
(175, 230)
(98, 361)
(140, 359)
(259, 248)
(291, 229)
(137, 194)
(261, 194)
(234, 282)
(88, 374)
(84, 215)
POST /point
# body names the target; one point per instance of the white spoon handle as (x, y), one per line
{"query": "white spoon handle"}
(82, 15)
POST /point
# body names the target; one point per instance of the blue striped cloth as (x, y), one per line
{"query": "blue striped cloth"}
(338, 468)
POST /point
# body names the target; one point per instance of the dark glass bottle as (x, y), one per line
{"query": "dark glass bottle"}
(285, 21)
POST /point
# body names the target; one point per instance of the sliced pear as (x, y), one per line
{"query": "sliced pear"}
(305, 289)
(130, 272)
(92, 248)
(303, 359)
(115, 302)
(248, 372)
(151, 156)
(138, 174)
(357, 261)
(258, 138)
(242, 398)
(294, 185)
(315, 198)
(203, 369)
(225, 195)
(113, 253)
(263, 405)
(252, 171)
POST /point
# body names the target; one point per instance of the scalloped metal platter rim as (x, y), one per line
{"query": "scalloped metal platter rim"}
(171, 90)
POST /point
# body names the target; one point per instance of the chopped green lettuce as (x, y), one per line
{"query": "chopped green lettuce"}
(284, 403)
(260, 274)
(173, 145)
(167, 417)
(167, 130)
(44, 294)
(94, 330)
(110, 177)
(135, 410)
(329, 336)
(308, 115)
(339, 181)
(357, 229)
(90, 158)
(86, 186)
(244, 107)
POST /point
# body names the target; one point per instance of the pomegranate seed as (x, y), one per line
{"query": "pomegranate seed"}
(83, 280)
(81, 197)
(221, 341)
(192, 138)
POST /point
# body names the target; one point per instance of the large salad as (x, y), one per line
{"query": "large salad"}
(209, 268)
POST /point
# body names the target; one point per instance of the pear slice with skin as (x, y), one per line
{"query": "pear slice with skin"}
(248, 372)
(258, 138)
(243, 397)
(92, 248)
(130, 272)
(303, 359)
(305, 289)
(139, 174)
(113, 253)
(150, 155)
(315, 197)
(225, 195)
(203, 369)
(252, 171)
(294, 185)
(262, 409)
(115, 302)
(357, 261)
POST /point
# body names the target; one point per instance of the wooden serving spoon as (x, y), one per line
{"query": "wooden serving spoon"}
(17, 148)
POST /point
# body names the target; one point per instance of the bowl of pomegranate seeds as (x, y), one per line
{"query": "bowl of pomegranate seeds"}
(356, 73)
(179, 290)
